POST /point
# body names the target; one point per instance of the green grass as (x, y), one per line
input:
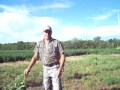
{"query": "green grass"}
(90, 72)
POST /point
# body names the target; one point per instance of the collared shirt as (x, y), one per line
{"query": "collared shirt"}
(51, 53)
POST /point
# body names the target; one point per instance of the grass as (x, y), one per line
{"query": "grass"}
(86, 72)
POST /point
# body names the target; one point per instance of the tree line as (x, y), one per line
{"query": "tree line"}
(70, 44)
(20, 45)
(96, 43)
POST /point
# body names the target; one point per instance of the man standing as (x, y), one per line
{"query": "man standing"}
(51, 52)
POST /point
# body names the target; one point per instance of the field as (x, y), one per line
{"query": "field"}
(85, 72)
(21, 55)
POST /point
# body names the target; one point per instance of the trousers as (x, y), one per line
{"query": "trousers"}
(50, 79)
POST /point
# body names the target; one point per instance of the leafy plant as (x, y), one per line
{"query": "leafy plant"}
(18, 84)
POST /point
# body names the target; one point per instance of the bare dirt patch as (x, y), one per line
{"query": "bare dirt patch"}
(73, 58)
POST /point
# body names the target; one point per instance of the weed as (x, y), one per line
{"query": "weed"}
(18, 84)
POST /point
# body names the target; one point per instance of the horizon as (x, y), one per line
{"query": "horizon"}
(61, 41)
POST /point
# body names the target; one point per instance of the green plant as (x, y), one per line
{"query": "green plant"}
(111, 80)
(18, 84)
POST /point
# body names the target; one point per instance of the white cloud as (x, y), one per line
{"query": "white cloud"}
(70, 32)
(105, 15)
(51, 6)
(101, 17)
(17, 24)
(55, 6)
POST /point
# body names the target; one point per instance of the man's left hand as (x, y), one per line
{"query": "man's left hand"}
(59, 72)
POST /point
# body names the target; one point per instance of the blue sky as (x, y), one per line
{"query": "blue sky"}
(23, 20)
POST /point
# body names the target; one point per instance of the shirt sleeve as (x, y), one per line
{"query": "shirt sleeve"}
(36, 48)
(61, 48)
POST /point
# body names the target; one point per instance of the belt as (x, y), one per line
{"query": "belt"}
(52, 64)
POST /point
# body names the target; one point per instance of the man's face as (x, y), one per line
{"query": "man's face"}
(47, 34)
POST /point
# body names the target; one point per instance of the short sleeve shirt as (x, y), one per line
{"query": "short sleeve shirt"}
(51, 53)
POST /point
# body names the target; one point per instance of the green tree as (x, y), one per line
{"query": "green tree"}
(96, 41)
(20, 45)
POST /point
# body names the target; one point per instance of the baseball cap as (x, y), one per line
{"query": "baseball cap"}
(47, 28)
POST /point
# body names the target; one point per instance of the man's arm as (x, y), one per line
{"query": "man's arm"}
(33, 61)
(62, 61)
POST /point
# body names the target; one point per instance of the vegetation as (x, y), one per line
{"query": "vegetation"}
(15, 55)
(86, 72)
(21, 55)
(95, 65)
(23, 50)
(71, 44)
(18, 84)
(20, 45)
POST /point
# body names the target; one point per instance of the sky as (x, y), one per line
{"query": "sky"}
(24, 20)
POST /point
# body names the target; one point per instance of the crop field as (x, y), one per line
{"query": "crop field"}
(15, 55)
(84, 72)
(22, 55)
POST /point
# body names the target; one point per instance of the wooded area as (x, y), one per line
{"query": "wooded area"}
(70, 44)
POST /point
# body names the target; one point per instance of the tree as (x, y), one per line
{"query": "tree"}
(96, 41)
(97, 38)
(20, 45)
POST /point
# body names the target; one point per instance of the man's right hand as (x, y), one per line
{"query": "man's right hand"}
(26, 71)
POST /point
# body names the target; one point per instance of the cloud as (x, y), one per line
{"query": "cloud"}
(17, 24)
(54, 6)
(105, 15)
(70, 32)
(106, 31)
(101, 17)
(49, 5)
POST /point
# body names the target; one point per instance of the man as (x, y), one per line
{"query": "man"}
(51, 53)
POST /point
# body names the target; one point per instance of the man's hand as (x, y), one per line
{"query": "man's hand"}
(26, 71)
(33, 61)
(62, 60)
(59, 72)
